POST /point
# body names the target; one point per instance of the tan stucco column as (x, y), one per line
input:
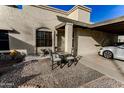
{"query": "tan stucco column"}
(68, 37)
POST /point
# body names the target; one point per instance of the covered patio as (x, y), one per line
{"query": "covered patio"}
(68, 33)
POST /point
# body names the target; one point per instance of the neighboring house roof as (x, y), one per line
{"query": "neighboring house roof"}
(115, 26)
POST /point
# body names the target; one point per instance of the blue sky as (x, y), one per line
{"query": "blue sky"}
(99, 12)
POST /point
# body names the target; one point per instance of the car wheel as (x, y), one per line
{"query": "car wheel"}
(108, 54)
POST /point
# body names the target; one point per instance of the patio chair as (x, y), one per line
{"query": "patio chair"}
(73, 58)
(45, 52)
(76, 59)
(55, 58)
(70, 59)
(57, 49)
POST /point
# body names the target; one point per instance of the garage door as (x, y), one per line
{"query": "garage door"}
(86, 45)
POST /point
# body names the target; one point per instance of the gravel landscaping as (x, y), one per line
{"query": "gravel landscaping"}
(39, 74)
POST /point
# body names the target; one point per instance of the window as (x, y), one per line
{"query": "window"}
(43, 39)
(4, 41)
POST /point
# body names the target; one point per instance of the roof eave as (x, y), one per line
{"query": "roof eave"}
(68, 20)
(108, 22)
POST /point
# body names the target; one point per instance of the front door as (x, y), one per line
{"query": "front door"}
(61, 40)
(62, 43)
(4, 40)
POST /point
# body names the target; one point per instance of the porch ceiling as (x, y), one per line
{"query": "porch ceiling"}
(114, 26)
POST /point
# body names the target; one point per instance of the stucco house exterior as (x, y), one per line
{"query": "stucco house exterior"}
(37, 27)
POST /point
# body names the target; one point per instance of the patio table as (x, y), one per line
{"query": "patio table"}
(63, 56)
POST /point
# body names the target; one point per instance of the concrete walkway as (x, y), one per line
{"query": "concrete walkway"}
(111, 68)
(103, 82)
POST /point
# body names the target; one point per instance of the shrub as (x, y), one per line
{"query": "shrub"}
(14, 56)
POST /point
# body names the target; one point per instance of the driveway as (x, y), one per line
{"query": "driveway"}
(111, 68)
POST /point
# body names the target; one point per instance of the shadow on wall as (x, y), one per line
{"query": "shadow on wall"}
(102, 38)
(19, 44)
(14, 31)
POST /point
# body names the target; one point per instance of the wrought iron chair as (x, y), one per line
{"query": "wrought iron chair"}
(55, 58)
(45, 52)
(72, 58)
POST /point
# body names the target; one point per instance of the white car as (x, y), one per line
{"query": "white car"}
(110, 52)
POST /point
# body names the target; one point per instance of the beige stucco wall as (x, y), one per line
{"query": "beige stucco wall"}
(80, 15)
(121, 38)
(89, 42)
(25, 22)
(73, 15)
